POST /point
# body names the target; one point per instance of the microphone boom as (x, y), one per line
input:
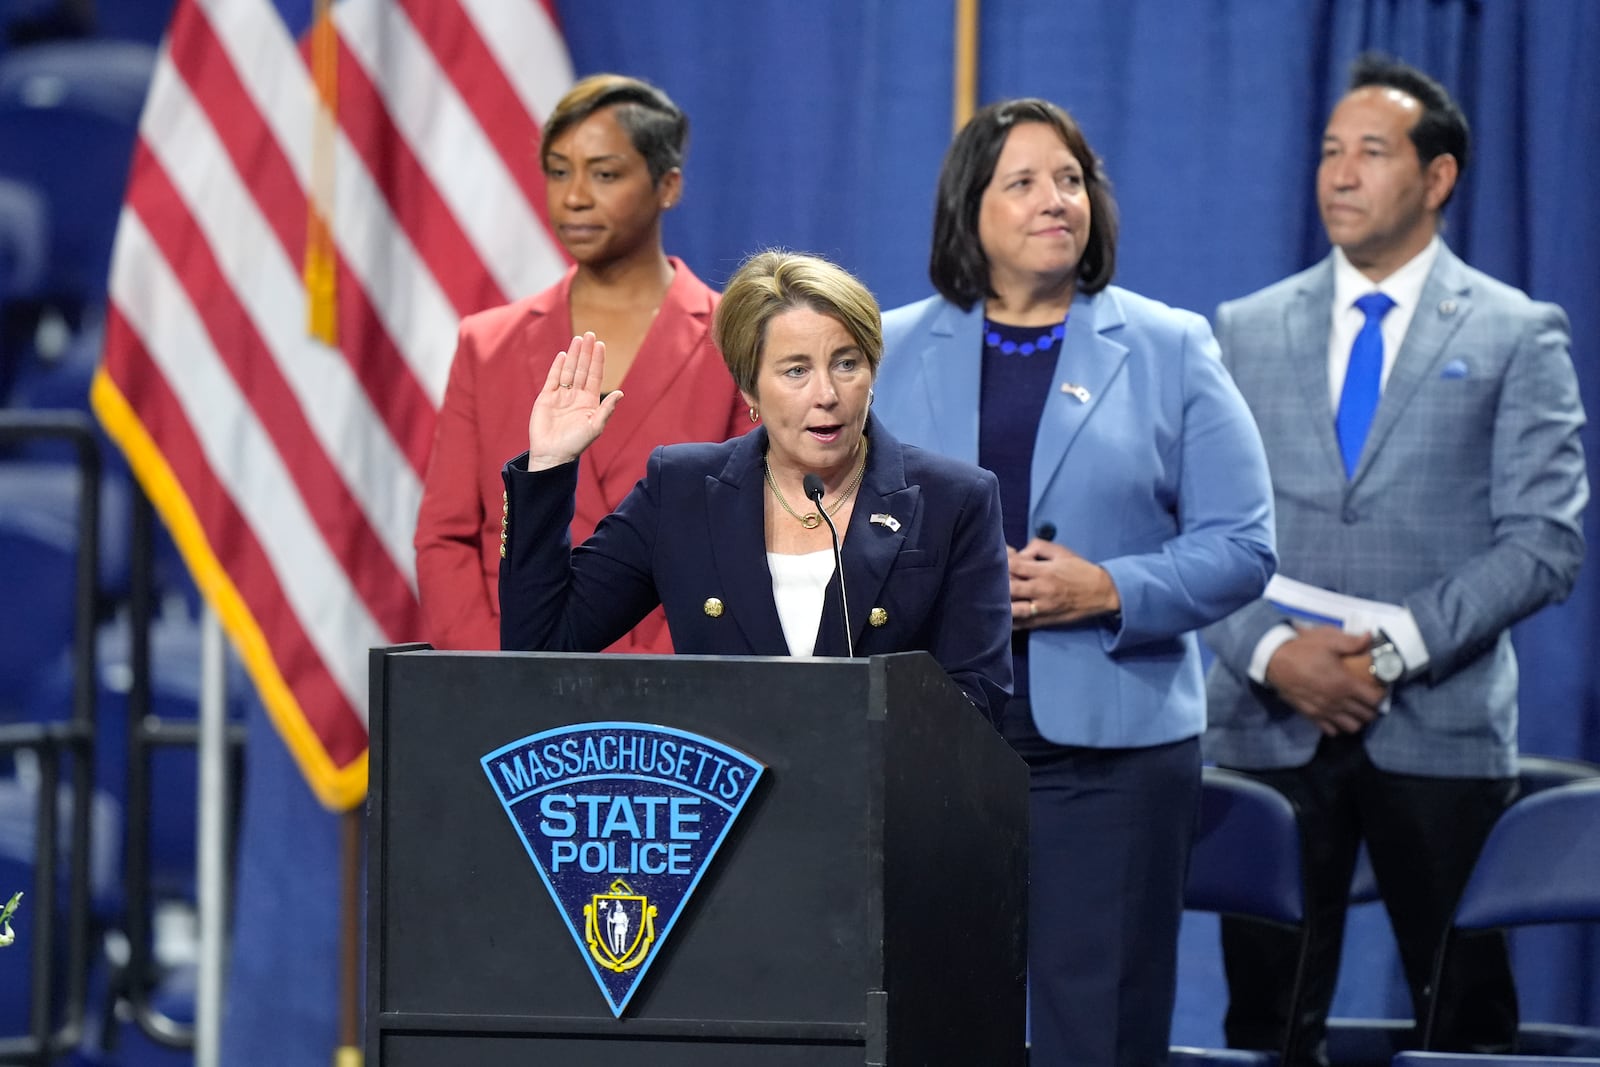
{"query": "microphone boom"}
(815, 490)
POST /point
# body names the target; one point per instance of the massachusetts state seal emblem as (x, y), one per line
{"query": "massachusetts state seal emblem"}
(621, 820)
(607, 923)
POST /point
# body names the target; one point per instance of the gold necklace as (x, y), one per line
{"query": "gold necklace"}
(811, 520)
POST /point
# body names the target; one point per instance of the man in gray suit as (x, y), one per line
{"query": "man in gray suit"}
(1421, 422)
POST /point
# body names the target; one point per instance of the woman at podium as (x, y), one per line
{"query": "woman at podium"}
(735, 540)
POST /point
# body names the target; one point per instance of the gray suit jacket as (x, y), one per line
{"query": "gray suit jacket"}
(1465, 507)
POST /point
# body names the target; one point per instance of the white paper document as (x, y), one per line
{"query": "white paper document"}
(1315, 606)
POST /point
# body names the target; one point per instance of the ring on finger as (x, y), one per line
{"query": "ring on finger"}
(1033, 609)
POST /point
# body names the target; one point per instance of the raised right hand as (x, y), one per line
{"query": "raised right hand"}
(1310, 673)
(568, 414)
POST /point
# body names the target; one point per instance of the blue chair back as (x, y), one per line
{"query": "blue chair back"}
(24, 238)
(39, 504)
(24, 252)
(1536, 774)
(1245, 863)
(69, 117)
(1246, 858)
(38, 566)
(1540, 864)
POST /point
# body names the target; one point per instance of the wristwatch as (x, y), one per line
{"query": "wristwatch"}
(1387, 666)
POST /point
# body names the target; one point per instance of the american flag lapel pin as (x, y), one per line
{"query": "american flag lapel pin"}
(887, 520)
(1077, 391)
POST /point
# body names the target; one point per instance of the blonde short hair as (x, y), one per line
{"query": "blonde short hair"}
(775, 281)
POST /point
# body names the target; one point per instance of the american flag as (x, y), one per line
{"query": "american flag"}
(319, 192)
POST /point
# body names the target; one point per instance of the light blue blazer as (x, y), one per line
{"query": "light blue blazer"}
(1157, 474)
(1466, 507)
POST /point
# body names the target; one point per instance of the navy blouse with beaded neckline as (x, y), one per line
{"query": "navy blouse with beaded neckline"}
(1019, 363)
(1010, 340)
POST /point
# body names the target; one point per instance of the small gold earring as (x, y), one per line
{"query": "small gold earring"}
(755, 416)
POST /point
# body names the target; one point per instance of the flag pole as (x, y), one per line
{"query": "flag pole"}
(966, 62)
(348, 1054)
(211, 845)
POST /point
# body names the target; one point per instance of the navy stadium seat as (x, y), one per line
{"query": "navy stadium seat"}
(1246, 863)
(24, 253)
(38, 561)
(69, 115)
(1540, 865)
(1372, 1042)
(24, 238)
(59, 379)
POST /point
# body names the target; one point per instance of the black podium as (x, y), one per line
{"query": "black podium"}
(865, 901)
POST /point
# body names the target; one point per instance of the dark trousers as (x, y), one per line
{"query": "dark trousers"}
(1423, 835)
(1109, 841)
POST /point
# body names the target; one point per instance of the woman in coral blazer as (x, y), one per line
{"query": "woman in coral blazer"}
(611, 152)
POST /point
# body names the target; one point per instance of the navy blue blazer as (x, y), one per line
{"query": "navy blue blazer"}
(933, 577)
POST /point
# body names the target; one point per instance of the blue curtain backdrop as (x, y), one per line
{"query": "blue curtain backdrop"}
(821, 126)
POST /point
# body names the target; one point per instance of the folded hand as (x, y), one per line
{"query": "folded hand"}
(1052, 585)
(1315, 673)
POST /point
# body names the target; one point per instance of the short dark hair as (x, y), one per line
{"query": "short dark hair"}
(1441, 130)
(957, 266)
(658, 129)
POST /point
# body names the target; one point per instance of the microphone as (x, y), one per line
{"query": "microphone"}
(1046, 531)
(815, 490)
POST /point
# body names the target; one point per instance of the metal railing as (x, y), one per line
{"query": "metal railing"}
(57, 1006)
(53, 1028)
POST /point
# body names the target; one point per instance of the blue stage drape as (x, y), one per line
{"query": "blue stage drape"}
(822, 126)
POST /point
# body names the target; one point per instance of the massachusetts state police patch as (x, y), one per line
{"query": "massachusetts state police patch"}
(621, 819)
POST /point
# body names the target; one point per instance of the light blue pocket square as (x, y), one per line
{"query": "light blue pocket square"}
(1456, 368)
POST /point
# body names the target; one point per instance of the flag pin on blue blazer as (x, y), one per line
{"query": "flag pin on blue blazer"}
(1076, 390)
(886, 520)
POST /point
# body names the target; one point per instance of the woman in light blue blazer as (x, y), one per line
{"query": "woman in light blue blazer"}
(1137, 509)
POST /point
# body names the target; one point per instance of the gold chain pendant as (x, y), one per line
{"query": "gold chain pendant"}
(811, 520)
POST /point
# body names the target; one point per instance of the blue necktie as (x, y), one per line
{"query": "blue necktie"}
(1363, 381)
